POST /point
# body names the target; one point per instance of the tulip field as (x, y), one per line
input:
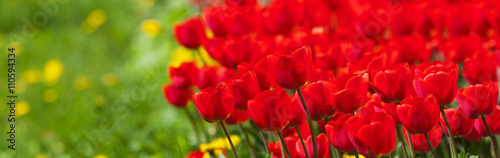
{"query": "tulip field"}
(333, 78)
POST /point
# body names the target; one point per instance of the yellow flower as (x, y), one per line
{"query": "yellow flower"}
(32, 76)
(95, 19)
(82, 83)
(100, 100)
(52, 71)
(50, 95)
(220, 143)
(151, 27)
(22, 108)
(42, 156)
(100, 156)
(352, 156)
(109, 80)
(16, 45)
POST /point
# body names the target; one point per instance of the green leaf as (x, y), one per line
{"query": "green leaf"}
(221, 155)
(269, 155)
(465, 154)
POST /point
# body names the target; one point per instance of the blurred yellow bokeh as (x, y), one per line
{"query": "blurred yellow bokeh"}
(52, 71)
(109, 80)
(100, 156)
(100, 100)
(32, 76)
(151, 27)
(220, 143)
(22, 108)
(95, 19)
(50, 95)
(82, 83)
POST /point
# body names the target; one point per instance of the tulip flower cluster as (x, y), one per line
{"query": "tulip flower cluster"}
(371, 74)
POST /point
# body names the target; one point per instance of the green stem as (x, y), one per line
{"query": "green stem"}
(410, 144)
(430, 145)
(302, 141)
(201, 58)
(223, 125)
(493, 139)
(264, 140)
(283, 143)
(356, 154)
(313, 137)
(450, 135)
(191, 120)
(463, 143)
(252, 151)
(399, 132)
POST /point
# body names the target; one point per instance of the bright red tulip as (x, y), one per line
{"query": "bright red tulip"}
(245, 86)
(282, 15)
(316, 96)
(322, 144)
(474, 133)
(270, 109)
(437, 78)
(242, 20)
(195, 154)
(478, 100)
(183, 76)
(353, 96)
(291, 71)
(177, 97)
(190, 33)
(393, 85)
(290, 141)
(366, 133)
(214, 19)
(480, 69)
(493, 122)
(460, 124)
(207, 77)
(420, 144)
(260, 67)
(298, 117)
(419, 115)
(458, 48)
(237, 117)
(239, 3)
(337, 132)
(214, 103)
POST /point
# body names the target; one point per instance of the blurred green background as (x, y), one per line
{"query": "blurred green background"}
(89, 77)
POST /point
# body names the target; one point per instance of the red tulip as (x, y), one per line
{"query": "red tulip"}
(191, 33)
(393, 85)
(291, 71)
(458, 48)
(316, 96)
(493, 122)
(270, 109)
(282, 15)
(438, 79)
(214, 19)
(207, 77)
(183, 76)
(245, 86)
(419, 115)
(242, 20)
(237, 117)
(260, 67)
(322, 144)
(474, 134)
(478, 100)
(214, 103)
(237, 3)
(195, 154)
(480, 69)
(353, 96)
(177, 97)
(298, 117)
(420, 142)
(275, 148)
(366, 133)
(337, 132)
(460, 124)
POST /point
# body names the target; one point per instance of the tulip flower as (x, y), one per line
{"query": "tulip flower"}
(478, 100)
(190, 33)
(474, 134)
(480, 69)
(260, 67)
(393, 85)
(215, 103)
(177, 97)
(275, 148)
(183, 76)
(420, 143)
(353, 96)
(297, 114)
(366, 133)
(270, 109)
(282, 15)
(322, 144)
(338, 135)
(237, 117)
(419, 115)
(316, 96)
(437, 78)
(214, 19)
(460, 124)
(245, 86)
(493, 122)
(291, 71)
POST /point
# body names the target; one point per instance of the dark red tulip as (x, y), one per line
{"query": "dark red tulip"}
(270, 109)
(366, 133)
(290, 141)
(214, 103)
(190, 33)
(245, 86)
(177, 97)
(393, 85)
(281, 15)
(478, 100)
(420, 144)
(353, 96)
(298, 117)
(437, 78)
(291, 71)
(316, 96)
(237, 117)
(460, 124)
(322, 144)
(337, 132)
(214, 19)
(183, 76)
(493, 122)
(419, 115)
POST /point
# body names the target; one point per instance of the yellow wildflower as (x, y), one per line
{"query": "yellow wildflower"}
(151, 27)
(52, 71)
